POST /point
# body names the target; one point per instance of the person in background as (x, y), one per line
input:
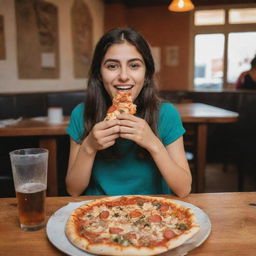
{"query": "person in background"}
(133, 154)
(247, 79)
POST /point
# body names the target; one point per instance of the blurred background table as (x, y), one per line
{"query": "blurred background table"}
(199, 116)
(47, 139)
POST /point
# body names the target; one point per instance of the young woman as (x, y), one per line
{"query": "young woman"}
(134, 154)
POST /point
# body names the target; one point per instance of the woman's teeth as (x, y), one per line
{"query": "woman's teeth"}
(124, 87)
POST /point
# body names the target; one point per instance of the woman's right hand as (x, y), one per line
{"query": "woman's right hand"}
(102, 136)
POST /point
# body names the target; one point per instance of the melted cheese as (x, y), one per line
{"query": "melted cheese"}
(119, 217)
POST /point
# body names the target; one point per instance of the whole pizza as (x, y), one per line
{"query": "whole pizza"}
(130, 225)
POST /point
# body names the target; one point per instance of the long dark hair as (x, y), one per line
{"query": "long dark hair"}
(97, 99)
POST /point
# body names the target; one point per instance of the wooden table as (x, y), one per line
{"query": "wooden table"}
(47, 139)
(202, 115)
(233, 225)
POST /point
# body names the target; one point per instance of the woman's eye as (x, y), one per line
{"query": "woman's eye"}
(112, 66)
(134, 65)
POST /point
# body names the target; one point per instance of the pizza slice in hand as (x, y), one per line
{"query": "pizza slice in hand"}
(121, 103)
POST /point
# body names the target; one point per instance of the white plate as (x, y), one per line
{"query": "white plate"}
(55, 230)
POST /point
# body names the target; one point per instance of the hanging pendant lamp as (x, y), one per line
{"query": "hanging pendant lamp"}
(181, 6)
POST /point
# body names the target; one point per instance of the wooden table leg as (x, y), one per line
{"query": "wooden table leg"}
(50, 143)
(201, 156)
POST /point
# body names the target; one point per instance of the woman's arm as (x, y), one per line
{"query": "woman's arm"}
(172, 163)
(170, 160)
(81, 157)
(79, 169)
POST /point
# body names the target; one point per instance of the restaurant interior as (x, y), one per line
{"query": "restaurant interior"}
(45, 52)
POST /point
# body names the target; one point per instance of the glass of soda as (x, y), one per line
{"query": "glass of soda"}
(29, 168)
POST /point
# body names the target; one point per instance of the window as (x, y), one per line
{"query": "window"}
(241, 49)
(208, 64)
(209, 17)
(224, 42)
(241, 16)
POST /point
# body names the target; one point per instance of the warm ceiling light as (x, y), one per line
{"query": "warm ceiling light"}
(181, 6)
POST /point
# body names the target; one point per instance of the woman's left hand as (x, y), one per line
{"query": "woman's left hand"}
(137, 129)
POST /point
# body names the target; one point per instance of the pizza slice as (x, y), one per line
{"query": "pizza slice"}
(121, 103)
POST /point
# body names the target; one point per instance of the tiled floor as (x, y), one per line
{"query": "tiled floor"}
(218, 180)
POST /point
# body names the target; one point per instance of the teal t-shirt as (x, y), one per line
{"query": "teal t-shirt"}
(129, 175)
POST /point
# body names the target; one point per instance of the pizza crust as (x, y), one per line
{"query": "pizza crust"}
(124, 251)
(83, 243)
(71, 231)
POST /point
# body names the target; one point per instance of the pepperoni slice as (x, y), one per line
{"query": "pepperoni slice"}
(168, 234)
(104, 214)
(92, 235)
(112, 109)
(164, 207)
(83, 223)
(135, 214)
(115, 230)
(130, 236)
(155, 218)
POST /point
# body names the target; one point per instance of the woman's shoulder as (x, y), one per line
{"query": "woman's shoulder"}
(169, 114)
(167, 108)
(78, 111)
(76, 125)
(79, 108)
(170, 124)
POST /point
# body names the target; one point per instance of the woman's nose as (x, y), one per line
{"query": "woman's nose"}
(123, 76)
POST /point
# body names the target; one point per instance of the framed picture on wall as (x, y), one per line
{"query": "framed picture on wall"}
(172, 56)
(2, 41)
